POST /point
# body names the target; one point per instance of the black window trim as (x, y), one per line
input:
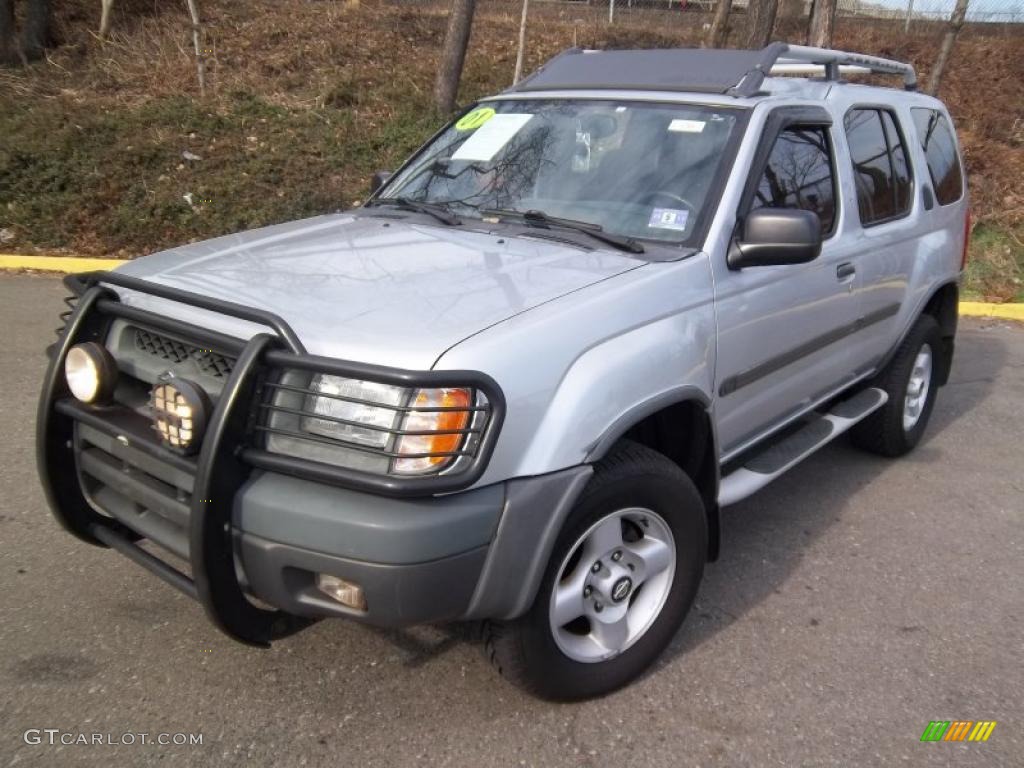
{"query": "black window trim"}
(956, 151)
(779, 120)
(912, 194)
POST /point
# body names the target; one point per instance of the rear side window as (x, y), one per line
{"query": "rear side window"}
(936, 136)
(799, 174)
(880, 166)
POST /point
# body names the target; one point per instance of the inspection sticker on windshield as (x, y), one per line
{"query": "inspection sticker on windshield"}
(686, 126)
(491, 137)
(668, 218)
(473, 120)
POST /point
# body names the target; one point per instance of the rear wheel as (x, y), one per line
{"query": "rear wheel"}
(622, 576)
(909, 379)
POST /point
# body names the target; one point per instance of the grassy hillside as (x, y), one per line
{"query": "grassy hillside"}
(307, 98)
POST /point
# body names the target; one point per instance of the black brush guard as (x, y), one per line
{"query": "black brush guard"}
(226, 458)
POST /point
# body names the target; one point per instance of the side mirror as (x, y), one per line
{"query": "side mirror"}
(379, 179)
(774, 236)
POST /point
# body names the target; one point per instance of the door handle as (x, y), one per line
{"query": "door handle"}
(845, 270)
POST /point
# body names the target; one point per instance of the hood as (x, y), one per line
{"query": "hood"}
(377, 289)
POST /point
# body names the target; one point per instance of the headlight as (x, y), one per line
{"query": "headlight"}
(375, 428)
(345, 404)
(91, 372)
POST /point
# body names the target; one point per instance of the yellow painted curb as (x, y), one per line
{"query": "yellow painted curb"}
(56, 263)
(982, 309)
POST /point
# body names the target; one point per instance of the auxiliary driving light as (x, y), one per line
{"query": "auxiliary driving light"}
(179, 413)
(91, 372)
(345, 592)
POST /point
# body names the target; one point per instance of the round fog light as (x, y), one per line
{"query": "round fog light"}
(179, 413)
(91, 372)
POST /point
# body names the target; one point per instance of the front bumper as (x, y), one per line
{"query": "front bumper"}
(472, 555)
(416, 560)
(246, 529)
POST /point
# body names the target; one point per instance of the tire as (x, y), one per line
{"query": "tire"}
(653, 501)
(885, 432)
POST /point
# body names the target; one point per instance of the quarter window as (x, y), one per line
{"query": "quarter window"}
(880, 167)
(936, 136)
(800, 174)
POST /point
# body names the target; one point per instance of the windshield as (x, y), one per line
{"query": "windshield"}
(636, 169)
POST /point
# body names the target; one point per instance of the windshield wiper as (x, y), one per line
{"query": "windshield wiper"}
(437, 210)
(541, 219)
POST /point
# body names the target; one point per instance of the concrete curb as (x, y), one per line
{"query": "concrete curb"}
(76, 264)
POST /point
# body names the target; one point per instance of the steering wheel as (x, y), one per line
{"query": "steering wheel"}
(672, 196)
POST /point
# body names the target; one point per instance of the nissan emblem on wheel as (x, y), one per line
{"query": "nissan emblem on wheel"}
(517, 385)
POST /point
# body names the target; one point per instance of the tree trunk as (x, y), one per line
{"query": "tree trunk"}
(456, 40)
(105, 8)
(37, 31)
(522, 43)
(760, 22)
(823, 21)
(956, 22)
(8, 49)
(719, 31)
(193, 11)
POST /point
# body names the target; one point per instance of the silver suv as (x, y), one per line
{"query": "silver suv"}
(517, 385)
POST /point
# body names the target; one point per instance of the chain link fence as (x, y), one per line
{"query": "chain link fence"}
(979, 11)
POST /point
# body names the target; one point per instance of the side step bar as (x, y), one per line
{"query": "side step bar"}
(768, 463)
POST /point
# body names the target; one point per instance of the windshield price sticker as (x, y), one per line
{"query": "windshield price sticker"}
(686, 126)
(669, 218)
(491, 137)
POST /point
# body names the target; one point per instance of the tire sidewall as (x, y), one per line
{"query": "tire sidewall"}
(675, 499)
(924, 333)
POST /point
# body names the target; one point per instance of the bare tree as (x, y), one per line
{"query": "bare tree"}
(197, 32)
(760, 22)
(522, 43)
(37, 31)
(8, 47)
(719, 30)
(823, 22)
(956, 23)
(106, 6)
(456, 41)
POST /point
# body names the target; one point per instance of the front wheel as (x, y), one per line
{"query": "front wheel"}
(623, 574)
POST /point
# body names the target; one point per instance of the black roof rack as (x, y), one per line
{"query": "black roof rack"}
(702, 70)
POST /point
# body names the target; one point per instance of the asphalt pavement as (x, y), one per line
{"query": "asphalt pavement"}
(856, 600)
